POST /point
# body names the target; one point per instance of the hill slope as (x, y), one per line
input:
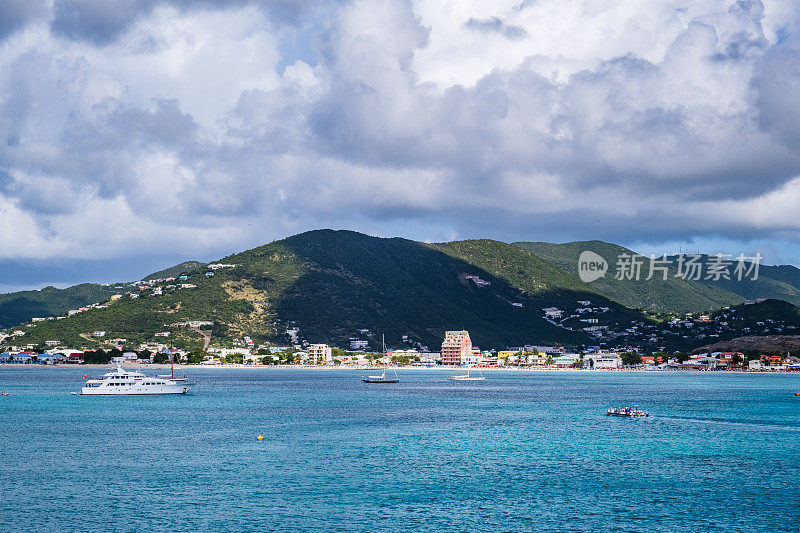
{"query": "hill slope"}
(780, 282)
(19, 307)
(177, 270)
(656, 294)
(332, 284)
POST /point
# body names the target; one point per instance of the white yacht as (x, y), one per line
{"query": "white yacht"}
(121, 382)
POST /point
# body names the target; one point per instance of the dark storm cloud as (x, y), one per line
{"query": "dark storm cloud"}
(777, 86)
(96, 21)
(15, 14)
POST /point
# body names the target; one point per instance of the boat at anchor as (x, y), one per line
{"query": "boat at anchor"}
(382, 378)
(122, 382)
(466, 377)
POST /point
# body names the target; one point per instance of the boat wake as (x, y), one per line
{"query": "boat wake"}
(743, 423)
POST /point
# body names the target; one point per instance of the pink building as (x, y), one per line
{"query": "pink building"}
(456, 344)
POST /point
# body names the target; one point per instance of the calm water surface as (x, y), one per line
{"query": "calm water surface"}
(519, 451)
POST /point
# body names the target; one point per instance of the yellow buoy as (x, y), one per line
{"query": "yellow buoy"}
(260, 437)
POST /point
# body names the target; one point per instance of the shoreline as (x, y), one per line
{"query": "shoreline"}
(324, 368)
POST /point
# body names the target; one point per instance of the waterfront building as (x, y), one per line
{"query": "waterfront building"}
(320, 352)
(430, 358)
(603, 360)
(456, 346)
(567, 361)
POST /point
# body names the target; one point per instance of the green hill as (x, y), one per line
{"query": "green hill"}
(777, 282)
(177, 270)
(19, 307)
(332, 284)
(751, 315)
(670, 295)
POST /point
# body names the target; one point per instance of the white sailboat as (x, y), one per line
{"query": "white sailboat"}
(382, 378)
(467, 377)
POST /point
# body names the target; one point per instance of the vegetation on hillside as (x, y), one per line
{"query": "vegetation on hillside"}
(19, 307)
(331, 286)
(187, 267)
(673, 295)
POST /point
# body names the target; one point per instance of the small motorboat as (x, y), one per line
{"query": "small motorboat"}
(626, 411)
(4, 393)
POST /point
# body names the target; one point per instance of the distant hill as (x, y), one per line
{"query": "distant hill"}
(177, 270)
(19, 307)
(778, 282)
(749, 344)
(333, 284)
(770, 309)
(671, 295)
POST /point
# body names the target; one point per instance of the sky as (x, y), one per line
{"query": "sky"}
(141, 133)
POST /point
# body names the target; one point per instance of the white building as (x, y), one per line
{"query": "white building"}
(99, 333)
(216, 266)
(552, 312)
(320, 352)
(357, 344)
(224, 352)
(566, 361)
(604, 360)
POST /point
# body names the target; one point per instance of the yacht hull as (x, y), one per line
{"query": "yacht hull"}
(134, 392)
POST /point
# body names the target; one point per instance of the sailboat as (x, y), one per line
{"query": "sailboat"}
(467, 377)
(171, 367)
(382, 378)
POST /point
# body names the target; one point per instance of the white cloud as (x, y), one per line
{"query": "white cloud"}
(463, 118)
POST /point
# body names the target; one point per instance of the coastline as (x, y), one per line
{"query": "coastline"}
(324, 368)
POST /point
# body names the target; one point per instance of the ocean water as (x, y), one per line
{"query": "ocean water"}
(520, 451)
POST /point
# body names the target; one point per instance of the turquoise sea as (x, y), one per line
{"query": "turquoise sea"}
(520, 451)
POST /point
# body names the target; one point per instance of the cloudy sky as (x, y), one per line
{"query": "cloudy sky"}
(139, 134)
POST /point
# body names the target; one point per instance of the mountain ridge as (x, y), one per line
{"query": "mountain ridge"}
(336, 285)
(331, 284)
